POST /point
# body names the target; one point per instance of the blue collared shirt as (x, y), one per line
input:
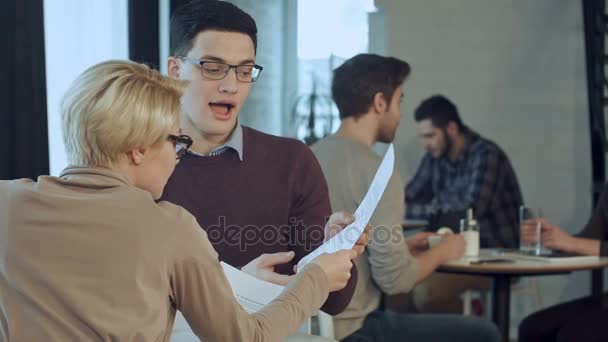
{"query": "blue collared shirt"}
(235, 142)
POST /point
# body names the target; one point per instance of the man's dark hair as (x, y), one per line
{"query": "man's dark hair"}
(360, 78)
(439, 110)
(201, 15)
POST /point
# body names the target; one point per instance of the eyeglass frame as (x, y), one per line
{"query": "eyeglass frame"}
(200, 63)
(180, 140)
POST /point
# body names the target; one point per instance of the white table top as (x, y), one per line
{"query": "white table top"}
(519, 266)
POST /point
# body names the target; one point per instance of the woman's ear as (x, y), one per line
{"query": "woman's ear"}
(137, 155)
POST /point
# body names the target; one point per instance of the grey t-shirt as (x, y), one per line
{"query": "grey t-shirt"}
(386, 266)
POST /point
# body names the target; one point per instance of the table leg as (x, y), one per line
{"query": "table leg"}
(597, 282)
(501, 301)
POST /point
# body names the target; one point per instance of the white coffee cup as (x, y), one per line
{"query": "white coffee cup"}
(434, 240)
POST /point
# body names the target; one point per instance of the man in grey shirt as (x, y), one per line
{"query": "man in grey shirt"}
(368, 91)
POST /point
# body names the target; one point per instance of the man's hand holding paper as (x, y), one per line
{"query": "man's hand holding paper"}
(340, 220)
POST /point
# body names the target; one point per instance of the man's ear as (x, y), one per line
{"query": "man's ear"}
(137, 155)
(379, 105)
(452, 129)
(173, 67)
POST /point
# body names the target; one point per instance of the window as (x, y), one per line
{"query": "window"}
(78, 34)
(329, 32)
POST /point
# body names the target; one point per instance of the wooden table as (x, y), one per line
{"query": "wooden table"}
(503, 273)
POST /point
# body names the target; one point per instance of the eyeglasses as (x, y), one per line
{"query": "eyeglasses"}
(217, 70)
(181, 142)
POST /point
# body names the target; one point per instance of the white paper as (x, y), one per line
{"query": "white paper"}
(252, 293)
(347, 238)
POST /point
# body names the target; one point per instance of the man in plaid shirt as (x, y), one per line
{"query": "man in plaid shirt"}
(462, 170)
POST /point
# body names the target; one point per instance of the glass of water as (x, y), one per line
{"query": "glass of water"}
(530, 227)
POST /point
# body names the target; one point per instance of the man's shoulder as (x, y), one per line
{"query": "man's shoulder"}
(264, 145)
(344, 150)
(253, 135)
(485, 145)
(353, 161)
(327, 145)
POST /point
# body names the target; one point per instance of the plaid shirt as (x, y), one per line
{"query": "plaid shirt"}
(481, 178)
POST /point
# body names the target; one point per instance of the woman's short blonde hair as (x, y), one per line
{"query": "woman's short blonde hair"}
(114, 107)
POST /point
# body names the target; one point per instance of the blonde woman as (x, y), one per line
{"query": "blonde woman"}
(90, 255)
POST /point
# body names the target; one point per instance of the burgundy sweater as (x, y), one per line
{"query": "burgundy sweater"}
(275, 200)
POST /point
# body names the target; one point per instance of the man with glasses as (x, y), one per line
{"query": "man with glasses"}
(262, 199)
(216, 70)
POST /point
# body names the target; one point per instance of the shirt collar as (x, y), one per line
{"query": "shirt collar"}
(235, 142)
(93, 176)
(96, 178)
(470, 137)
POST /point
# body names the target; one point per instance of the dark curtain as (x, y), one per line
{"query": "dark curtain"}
(24, 147)
(595, 23)
(177, 3)
(144, 38)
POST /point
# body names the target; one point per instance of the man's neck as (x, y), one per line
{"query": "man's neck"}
(457, 148)
(362, 129)
(205, 143)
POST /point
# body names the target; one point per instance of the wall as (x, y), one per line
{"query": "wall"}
(264, 109)
(516, 71)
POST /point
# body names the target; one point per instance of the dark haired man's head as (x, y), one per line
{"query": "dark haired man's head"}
(197, 16)
(223, 36)
(439, 110)
(438, 124)
(371, 82)
(359, 79)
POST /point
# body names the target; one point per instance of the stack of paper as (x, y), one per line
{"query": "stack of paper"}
(252, 293)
